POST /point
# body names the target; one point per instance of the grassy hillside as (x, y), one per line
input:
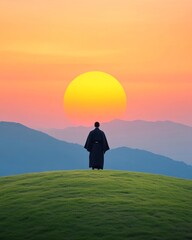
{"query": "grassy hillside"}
(105, 205)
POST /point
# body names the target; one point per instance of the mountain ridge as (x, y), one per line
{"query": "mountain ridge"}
(24, 150)
(161, 137)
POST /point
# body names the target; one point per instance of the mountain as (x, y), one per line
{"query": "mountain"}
(94, 205)
(24, 150)
(163, 137)
(143, 161)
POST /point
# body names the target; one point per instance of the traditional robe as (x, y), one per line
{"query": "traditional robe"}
(97, 145)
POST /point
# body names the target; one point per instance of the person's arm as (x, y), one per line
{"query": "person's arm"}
(88, 143)
(105, 143)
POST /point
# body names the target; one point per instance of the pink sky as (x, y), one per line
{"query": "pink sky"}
(146, 45)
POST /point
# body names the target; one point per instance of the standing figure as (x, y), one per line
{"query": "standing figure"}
(97, 145)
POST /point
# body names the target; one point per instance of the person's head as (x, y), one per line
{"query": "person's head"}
(97, 124)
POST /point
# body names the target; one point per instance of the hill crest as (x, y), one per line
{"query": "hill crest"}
(95, 205)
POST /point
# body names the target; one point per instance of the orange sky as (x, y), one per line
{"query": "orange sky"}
(145, 44)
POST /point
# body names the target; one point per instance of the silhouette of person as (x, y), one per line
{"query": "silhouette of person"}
(97, 145)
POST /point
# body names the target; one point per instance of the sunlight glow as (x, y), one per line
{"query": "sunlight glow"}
(94, 96)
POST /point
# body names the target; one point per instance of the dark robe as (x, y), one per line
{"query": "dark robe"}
(97, 145)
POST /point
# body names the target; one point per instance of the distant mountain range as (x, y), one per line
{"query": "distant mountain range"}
(163, 137)
(24, 150)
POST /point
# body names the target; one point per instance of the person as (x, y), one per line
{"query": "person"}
(96, 144)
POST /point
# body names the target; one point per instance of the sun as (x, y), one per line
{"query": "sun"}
(94, 96)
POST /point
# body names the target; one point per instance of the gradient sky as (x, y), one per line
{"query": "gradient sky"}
(145, 44)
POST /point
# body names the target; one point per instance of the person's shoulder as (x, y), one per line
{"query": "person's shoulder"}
(101, 131)
(96, 130)
(92, 131)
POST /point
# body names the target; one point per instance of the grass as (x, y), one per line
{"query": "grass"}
(105, 205)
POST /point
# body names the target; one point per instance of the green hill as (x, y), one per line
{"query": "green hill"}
(89, 205)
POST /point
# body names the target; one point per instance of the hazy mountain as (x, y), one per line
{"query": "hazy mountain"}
(25, 150)
(143, 161)
(166, 138)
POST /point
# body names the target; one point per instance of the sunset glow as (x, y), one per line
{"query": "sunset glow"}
(94, 96)
(146, 45)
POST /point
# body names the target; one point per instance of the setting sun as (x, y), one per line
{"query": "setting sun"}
(94, 96)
